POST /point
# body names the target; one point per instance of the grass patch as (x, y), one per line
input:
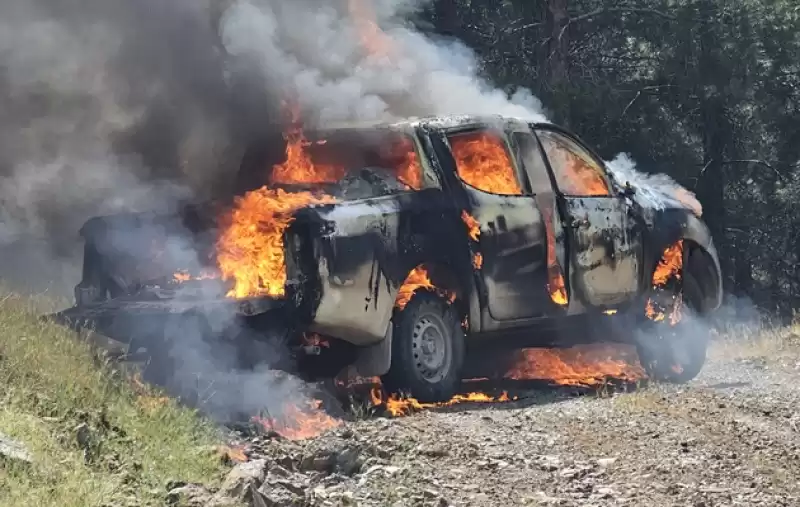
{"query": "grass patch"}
(765, 344)
(50, 384)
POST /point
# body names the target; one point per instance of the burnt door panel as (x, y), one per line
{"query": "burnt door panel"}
(604, 248)
(532, 161)
(512, 240)
(603, 241)
(512, 244)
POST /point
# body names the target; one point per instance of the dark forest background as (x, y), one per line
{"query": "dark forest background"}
(703, 90)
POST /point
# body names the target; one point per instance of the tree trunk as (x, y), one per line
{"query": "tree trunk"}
(558, 48)
(717, 138)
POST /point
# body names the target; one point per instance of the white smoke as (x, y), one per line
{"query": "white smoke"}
(656, 191)
(326, 67)
(318, 53)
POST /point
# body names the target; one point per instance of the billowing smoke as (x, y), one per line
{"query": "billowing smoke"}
(125, 105)
(341, 66)
(108, 106)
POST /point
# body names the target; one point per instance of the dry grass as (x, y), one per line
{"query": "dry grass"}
(49, 384)
(773, 344)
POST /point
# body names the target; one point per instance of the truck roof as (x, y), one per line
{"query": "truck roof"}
(442, 121)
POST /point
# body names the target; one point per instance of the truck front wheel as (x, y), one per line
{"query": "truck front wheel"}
(676, 353)
(427, 349)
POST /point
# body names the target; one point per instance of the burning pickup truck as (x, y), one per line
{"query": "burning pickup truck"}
(400, 250)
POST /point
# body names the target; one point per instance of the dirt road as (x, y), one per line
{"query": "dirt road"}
(732, 437)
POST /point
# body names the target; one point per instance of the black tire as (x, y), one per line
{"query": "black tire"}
(433, 374)
(676, 354)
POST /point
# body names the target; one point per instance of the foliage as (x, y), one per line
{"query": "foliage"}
(704, 90)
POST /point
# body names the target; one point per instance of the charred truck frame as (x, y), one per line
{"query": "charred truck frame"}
(510, 228)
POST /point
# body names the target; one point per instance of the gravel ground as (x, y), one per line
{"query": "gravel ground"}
(728, 438)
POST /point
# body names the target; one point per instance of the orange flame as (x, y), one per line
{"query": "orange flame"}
(477, 260)
(235, 454)
(185, 276)
(300, 423)
(576, 173)
(556, 286)
(668, 267)
(250, 247)
(419, 279)
(403, 157)
(473, 226)
(483, 162)
(578, 366)
(584, 179)
(373, 39)
(298, 167)
(397, 405)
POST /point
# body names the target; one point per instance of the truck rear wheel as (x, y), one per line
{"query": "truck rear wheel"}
(427, 349)
(677, 353)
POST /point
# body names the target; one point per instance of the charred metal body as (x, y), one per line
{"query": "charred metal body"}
(346, 262)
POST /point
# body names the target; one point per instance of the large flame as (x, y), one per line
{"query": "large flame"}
(576, 173)
(587, 365)
(250, 247)
(670, 265)
(419, 279)
(584, 179)
(298, 167)
(482, 162)
(402, 156)
(300, 422)
(669, 268)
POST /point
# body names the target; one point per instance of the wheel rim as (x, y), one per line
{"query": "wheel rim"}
(431, 348)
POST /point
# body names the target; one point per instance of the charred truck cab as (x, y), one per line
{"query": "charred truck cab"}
(478, 232)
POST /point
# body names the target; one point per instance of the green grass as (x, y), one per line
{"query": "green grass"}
(50, 382)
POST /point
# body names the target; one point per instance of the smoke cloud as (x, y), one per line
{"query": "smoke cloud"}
(656, 191)
(129, 105)
(350, 69)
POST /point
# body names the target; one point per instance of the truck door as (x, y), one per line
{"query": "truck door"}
(511, 240)
(603, 242)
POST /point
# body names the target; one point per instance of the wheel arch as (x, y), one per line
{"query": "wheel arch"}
(700, 257)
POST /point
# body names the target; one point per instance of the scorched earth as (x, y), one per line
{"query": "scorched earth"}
(729, 438)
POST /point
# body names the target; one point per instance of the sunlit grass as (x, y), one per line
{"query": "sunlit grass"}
(50, 382)
(768, 343)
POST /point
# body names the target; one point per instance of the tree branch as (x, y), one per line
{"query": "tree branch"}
(523, 27)
(598, 12)
(633, 10)
(746, 161)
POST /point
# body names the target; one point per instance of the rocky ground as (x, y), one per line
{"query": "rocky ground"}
(729, 438)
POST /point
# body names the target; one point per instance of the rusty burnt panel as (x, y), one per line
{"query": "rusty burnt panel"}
(345, 261)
